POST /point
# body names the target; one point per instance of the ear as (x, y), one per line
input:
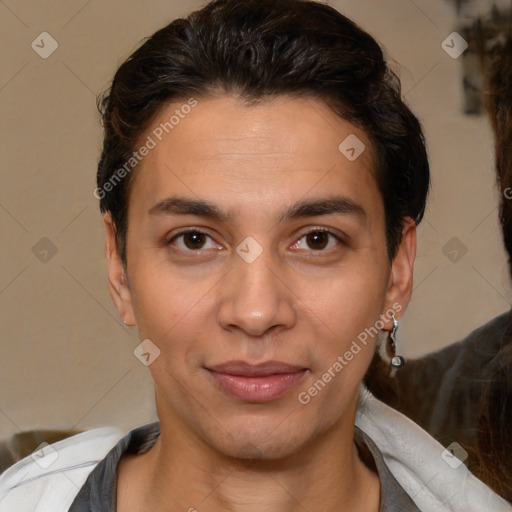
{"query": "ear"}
(400, 279)
(117, 279)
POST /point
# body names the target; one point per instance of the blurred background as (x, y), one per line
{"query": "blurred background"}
(67, 360)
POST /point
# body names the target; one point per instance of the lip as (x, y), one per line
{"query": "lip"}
(256, 383)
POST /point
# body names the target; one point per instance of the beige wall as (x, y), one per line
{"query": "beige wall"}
(67, 360)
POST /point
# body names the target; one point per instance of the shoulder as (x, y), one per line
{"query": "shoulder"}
(50, 478)
(428, 473)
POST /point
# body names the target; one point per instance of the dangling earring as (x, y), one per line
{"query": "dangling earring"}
(397, 361)
(388, 348)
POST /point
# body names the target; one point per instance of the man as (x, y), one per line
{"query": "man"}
(261, 181)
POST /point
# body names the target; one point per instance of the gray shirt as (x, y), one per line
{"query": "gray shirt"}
(99, 492)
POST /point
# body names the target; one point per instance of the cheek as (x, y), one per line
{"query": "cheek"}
(348, 335)
(349, 311)
(165, 301)
(174, 317)
(176, 311)
(349, 301)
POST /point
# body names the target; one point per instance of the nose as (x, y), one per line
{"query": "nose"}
(255, 297)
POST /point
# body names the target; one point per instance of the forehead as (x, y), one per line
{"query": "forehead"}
(249, 155)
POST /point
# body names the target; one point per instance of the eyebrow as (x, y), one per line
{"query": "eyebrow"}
(340, 205)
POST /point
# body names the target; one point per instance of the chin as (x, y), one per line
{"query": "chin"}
(253, 450)
(262, 440)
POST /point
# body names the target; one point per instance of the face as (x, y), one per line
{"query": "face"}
(256, 256)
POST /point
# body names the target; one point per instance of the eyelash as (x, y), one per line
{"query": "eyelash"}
(341, 241)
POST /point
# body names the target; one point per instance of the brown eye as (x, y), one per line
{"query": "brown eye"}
(317, 239)
(194, 240)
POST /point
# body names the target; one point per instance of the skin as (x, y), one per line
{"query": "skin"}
(302, 301)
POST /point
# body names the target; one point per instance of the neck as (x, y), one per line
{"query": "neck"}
(178, 473)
